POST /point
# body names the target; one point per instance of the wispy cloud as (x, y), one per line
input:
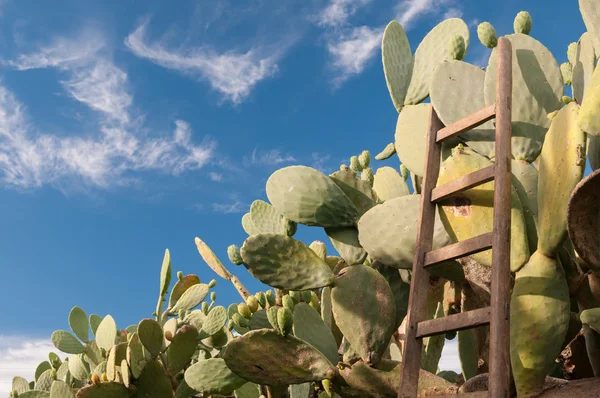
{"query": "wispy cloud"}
(351, 52)
(338, 12)
(319, 162)
(453, 13)
(272, 157)
(232, 73)
(19, 356)
(229, 208)
(215, 176)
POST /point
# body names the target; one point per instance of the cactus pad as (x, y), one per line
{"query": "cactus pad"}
(79, 323)
(589, 117)
(357, 190)
(387, 152)
(265, 218)
(106, 333)
(307, 196)
(154, 381)
(470, 213)
(103, 390)
(248, 226)
(284, 262)
(212, 376)
(591, 318)
(590, 11)
(389, 184)
(539, 314)
(468, 352)
(366, 317)
(400, 290)
(537, 90)
(66, 342)
(181, 286)
(430, 53)
(583, 67)
(309, 327)
(345, 241)
(411, 136)
(397, 61)
(561, 167)
(191, 298)
(211, 259)
(525, 182)
(182, 348)
(135, 355)
(290, 360)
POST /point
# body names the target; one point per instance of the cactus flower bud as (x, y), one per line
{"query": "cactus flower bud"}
(213, 296)
(179, 275)
(355, 164)
(404, 172)
(252, 304)
(457, 48)
(287, 301)
(212, 283)
(289, 226)
(262, 299)
(233, 252)
(522, 23)
(364, 159)
(572, 53)
(285, 320)
(367, 175)
(270, 297)
(272, 317)
(205, 308)
(244, 310)
(566, 69)
(487, 35)
(566, 99)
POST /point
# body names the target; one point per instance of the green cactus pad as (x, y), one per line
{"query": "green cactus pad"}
(290, 360)
(468, 352)
(471, 213)
(45, 380)
(151, 336)
(589, 117)
(181, 286)
(388, 232)
(357, 190)
(193, 296)
(78, 368)
(307, 196)
(487, 35)
(537, 90)
(19, 385)
(211, 259)
(248, 225)
(259, 320)
(248, 390)
(182, 348)
(95, 322)
(583, 67)
(41, 368)
(111, 364)
(154, 381)
(345, 241)
(103, 390)
(215, 320)
(366, 317)
(265, 218)
(285, 263)
(562, 164)
(319, 248)
(303, 390)
(36, 394)
(539, 314)
(397, 59)
(411, 136)
(60, 389)
(79, 323)
(165, 273)
(66, 342)
(522, 23)
(430, 53)
(590, 11)
(389, 184)
(135, 355)
(525, 182)
(400, 290)
(434, 345)
(106, 333)
(387, 152)
(309, 327)
(591, 318)
(456, 92)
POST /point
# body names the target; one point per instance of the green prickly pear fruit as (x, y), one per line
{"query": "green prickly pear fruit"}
(212, 283)
(270, 297)
(572, 53)
(566, 99)
(213, 296)
(566, 69)
(272, 318)
(367, 175)
(244, 310)
(355, 164)
(205, 307)
(239, 320)
(289, 227)
(233, 252)
(364, 159)
(522, 23)
(181, 314)
(295, 295)
(319, 247)
(262, 299)
(487, 35)
(404, 172)
(344, 167)
(457, 48)
(252, 304)
(288, 302)
(179, 275)
(387, 152)
(285, 320)
(306, 296)
(104, 377)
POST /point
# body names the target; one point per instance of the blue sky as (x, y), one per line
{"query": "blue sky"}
(131, 127)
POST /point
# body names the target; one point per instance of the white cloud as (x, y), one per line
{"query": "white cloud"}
(338, 12)
(271, 158)
(215, 176)
(234, 74)
(453, 13)
(20, 356)
(229, 208)
(319, 161)
(351, 52)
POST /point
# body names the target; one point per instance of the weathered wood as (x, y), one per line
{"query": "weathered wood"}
(460, 321)
(467, 123)
(459, 249)
(499, 381)
(475, 394)
(417, 305)
(463, 183)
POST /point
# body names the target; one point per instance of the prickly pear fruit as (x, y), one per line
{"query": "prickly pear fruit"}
(285, 320)
(457, 48)
(572, 53)
(566, 69)
(213, 296)
(262, 299)
(233, 252)
(289, 227)
(179, 275)
(364, 159)
(244, 310)
(566, 99)
(95, 379)
(270, 297)
(367, 175)
(252, 304)
(522, 23)
(387, 152)
(487, 35)
(287, 301)
(212, 283)
(295, 295)
(319, 247)
(404, 172)
(355, 164)
(272, 318)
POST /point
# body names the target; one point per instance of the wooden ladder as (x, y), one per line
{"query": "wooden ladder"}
(497, 315)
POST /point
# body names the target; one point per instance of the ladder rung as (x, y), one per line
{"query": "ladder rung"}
(460, 321)
(459, 249)
(467, 123)
(463, 183)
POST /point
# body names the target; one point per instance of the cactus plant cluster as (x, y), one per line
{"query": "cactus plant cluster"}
(333, 324)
